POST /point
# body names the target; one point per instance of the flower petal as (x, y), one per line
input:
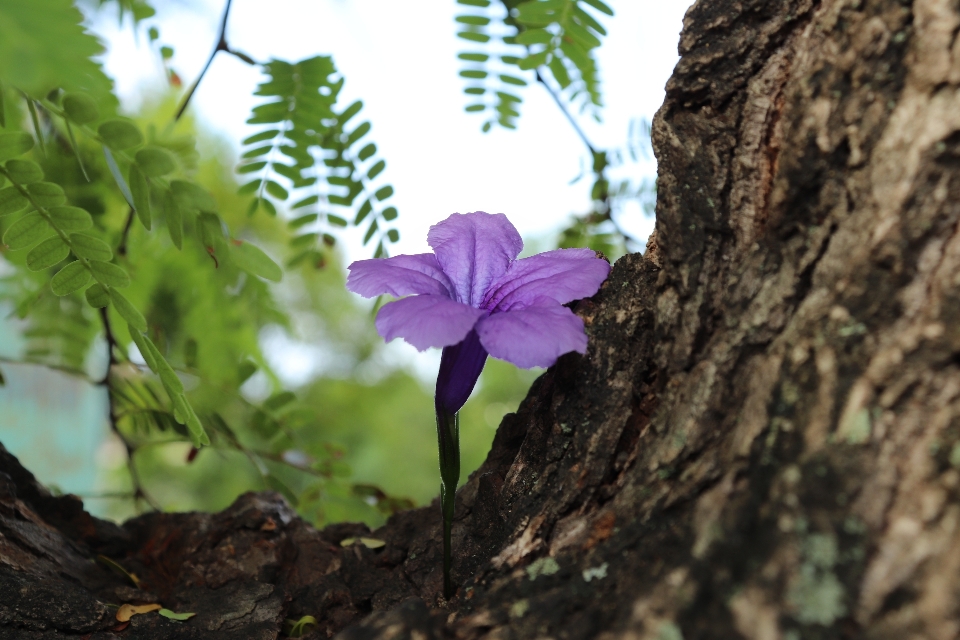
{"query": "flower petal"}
(561, 275)
(399, 276)
(427, 321)
(534, 336)
(474, 250)
(460, 367)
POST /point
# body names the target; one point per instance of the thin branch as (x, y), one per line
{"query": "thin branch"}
(563, 108)
(122, 248)
(138, 491)
(221, 46)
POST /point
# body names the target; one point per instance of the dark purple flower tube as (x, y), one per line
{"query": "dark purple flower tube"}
(460, 367)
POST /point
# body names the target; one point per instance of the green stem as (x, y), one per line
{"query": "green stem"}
(448, 439)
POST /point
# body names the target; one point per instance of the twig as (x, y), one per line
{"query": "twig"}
(221, 46)
(138, 491)
(573, 123)
(122, 248)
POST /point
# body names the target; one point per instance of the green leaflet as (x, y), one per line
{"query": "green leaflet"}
(80, 108)
(27, 30)
(85, 246)
(69, 279)
(362, 212)
(120, 134)
(276, 190)
(600, 6)
(126, 310)
(186, 415)
(155, 162)
(117, 176)
(26, 231)
(376, 169)
(24, 171)
(253, 260)
(35, 120)
(555, 36)
(97, 296)
(47, 194)
(260, 137)
(141, 341)
(167, 613)
(299, 628)
(306, 202)
(301, 101)
(109, 274)
(48, 253)
(160, 366)
(174, 218)
(76, 150)
(140, 192)
(69, 219)
(245, 370)
(192, 197)
(11, 201)
(182, 410)
(370, 231)
(14, 144)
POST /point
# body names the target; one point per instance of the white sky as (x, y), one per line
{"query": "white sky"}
(405, 71)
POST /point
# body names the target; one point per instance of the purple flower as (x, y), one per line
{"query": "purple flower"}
(472, 297)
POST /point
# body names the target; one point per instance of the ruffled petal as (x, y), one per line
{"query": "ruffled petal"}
(399, 276)
(427, 321)
(561, 275)
(534, 336)
(474, 250)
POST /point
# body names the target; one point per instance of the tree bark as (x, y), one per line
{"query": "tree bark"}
(761, 442)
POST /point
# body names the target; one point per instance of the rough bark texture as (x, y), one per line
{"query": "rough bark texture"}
(762, 441)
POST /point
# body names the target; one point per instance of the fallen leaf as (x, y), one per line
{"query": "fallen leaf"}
(166, 613)
(127, 611)
(369, 543)
(269, 525)
(116, 567)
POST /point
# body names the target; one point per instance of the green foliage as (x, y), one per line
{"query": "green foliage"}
(561, 35)
(138, 9)
(511, 38)
(43, 46)
(121, 241)
(314, 152)
(597, 228)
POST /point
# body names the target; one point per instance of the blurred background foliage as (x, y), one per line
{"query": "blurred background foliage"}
(175, 354)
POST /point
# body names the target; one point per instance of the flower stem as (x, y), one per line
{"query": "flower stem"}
(448, 438)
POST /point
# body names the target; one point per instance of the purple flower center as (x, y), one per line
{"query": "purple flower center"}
(473, 297)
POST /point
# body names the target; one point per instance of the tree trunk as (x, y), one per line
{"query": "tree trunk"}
(762, 440)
